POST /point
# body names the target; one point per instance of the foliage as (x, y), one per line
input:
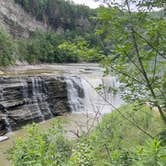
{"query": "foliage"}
(41, 148)
(47, 47)
(59, 13)
(153, 154)
(134, 43)
(115, 141)
(79, 50)
(6, 48)
(82, 155)
(72, 24)
(136, 52)
(41, 47)
(49, 148)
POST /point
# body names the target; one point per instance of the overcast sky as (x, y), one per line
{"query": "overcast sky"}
(93, 4)
(90, 3)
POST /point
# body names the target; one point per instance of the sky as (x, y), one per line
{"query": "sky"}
(93, 4)
(90, 3)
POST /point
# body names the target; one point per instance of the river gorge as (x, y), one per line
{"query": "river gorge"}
(42, 92)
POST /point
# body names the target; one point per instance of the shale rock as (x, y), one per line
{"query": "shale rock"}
(29, 99)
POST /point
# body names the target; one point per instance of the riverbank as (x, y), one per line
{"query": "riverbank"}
(75, 124)
(131, 135)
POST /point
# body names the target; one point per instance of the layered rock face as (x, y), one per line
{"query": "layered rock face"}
(31, 99)
(16, 21)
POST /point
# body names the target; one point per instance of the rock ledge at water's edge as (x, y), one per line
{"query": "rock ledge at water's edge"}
(31, 99)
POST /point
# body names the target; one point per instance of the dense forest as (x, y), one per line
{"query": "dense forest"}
(129, 44)
(59, 13)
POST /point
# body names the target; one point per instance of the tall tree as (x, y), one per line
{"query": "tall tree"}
(137, 51)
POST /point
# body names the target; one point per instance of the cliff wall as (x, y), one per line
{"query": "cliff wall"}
(16, 21)
(31, 99)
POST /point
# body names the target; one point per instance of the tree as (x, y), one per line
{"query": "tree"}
(137, 51)
(6, 48)
(79, 50)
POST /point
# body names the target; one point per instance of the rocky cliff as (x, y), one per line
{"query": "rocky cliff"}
(31, 99)
(16, 21)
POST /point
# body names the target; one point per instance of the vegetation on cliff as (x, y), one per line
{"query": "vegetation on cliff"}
(47, 47)
(60, 13)
(6, 49)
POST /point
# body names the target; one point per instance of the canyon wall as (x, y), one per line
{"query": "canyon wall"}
(17, 21)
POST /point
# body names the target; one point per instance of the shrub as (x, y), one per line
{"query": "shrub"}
(41, 148)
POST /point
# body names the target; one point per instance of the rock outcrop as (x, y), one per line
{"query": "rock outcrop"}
(16, 21)
(31, 99)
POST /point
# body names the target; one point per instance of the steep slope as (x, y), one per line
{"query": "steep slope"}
(61, 15)
(16, 21)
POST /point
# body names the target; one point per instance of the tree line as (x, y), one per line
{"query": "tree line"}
(47, 47)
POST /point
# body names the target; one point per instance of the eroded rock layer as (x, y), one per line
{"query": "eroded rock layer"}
(16, 21)
(31, 99)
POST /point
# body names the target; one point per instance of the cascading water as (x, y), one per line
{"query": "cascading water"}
(37, 96)
(75, 93)
(5, 116)
(111, 91)
(25, 95)
(7, 123)
(91, 100)
(25, 99)
(43, 98)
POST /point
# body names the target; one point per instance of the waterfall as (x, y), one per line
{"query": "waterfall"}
(5, 116)
(92, 100)
(111, 85)
(1, 94)
(25, 99)
(37, 96)
(44, 97)
(7, 123)
(25, 96)
(75, 93)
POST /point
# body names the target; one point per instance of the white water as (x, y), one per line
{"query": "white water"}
(8, 126)
(82, 81)
(43, 99)
(5, 116)
(37, 96)
(74, 98)
(94, 101)
(100, 101)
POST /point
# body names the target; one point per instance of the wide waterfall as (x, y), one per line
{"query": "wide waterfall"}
(84, 96)
(97, 96)
(33, 98)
